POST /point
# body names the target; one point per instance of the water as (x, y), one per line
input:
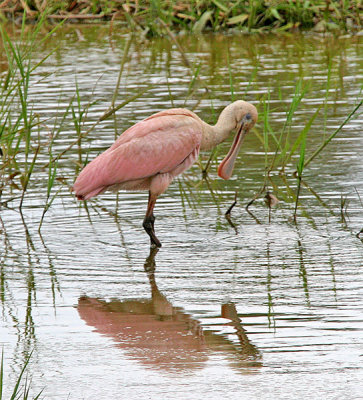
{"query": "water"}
(264, 309)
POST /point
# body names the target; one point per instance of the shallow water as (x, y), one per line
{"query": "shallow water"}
(262, 309)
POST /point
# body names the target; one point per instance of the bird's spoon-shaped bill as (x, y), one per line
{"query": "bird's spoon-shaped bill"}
(225, 168)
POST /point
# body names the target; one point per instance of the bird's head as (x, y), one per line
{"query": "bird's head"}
(244, 113)
(245, 116)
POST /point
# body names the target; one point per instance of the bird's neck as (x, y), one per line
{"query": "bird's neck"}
(218, 133)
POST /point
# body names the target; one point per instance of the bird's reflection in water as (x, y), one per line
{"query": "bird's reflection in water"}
(160, 335)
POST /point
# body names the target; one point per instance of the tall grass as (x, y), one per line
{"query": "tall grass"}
(22, 137)
(197, 16)
(284, 149)
(21, 389)
(287, 145)
(18, 136)
(334, 134)
(300, 167)
(20, 132)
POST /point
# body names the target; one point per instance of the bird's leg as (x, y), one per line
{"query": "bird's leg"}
(149, 219)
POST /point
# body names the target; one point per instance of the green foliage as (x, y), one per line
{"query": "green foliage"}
(198, 15)
(286, 145)
(20, 390)
(19, 134)
(23, 143)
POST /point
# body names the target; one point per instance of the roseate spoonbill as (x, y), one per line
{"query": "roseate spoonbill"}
(149, 154)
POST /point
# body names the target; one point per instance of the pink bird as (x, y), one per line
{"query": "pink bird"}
(149, 154)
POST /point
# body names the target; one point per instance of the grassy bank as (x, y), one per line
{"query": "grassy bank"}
(154, 17)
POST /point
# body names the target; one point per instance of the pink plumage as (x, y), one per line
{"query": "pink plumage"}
(165, 143)
(148, 155)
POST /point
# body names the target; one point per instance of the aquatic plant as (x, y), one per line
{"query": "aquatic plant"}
(26, 152)
(285, 148)
(332, 136)
(196, 16)
(24, 144)
(300, 167)
(22, 385)
(19, 138)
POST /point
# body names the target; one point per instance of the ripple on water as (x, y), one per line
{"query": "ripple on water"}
(262, 309)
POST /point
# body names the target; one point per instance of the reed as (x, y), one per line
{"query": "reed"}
(284, 150)
(20, 141)
(266, 128)
(22, 385)
(20, 132)
(286, 145)
(334, 134)
(302, 136)
(300, 167)
(52, 171)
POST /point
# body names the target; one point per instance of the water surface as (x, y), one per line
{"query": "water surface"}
(264, 309)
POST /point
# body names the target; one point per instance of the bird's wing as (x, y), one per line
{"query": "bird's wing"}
(167, 120)
(159, 144)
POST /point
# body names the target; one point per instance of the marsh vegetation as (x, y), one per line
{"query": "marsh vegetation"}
(65, 96)
(155, 17)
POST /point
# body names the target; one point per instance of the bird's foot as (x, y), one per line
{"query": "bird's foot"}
(154, 242)
(148, 225)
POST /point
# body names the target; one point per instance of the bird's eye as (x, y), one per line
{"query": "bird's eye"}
(248, 116)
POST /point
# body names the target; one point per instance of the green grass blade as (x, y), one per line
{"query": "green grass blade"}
(298, 95)
(252, 78)
(230, 78)
(266, 125)
(303, 134)
(300, 164)
(15, 394)
(332, 136)
(2, 374)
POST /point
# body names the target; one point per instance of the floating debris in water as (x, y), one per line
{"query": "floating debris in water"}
(271, 200)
